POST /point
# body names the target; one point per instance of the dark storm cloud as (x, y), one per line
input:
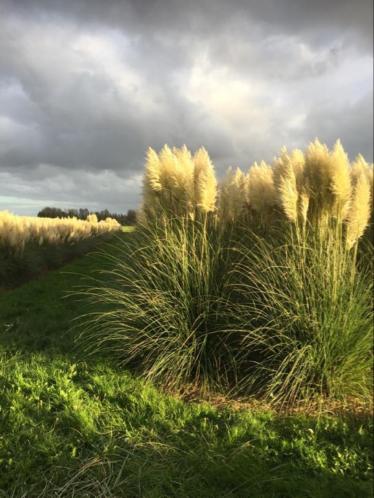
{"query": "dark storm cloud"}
(356, 133)
(318, 22)
(172, 15)
(87, 86)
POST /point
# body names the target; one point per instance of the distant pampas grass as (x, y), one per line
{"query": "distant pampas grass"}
(31, 245)
(16, 232)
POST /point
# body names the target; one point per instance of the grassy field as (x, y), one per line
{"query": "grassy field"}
(73, 425)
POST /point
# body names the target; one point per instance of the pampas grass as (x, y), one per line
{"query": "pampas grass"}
(340, 178)
(166, 305)
(359, 212)
(233, 197)
(205, 183)
(251, 285)
(316, 187)
(286, 185)
(327, 181)
(178, 184)
(31, 245)
(18, 231)
(309, 322)
(261, 191)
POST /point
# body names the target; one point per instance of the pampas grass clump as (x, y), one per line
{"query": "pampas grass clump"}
(318, 187)
(252, 285)
(308, 316)
(166, 305)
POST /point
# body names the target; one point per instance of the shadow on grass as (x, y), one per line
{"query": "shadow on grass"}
(39, 315)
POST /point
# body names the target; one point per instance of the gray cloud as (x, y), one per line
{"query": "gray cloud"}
(295, 16)
(87, 86)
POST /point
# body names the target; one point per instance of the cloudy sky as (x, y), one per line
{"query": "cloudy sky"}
(87, 85)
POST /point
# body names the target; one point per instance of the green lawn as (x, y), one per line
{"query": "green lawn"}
(78, 426)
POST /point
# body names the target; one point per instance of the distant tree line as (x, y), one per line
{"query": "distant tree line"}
(52, 212)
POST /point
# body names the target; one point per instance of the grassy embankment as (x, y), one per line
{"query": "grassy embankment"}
(72, 425)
